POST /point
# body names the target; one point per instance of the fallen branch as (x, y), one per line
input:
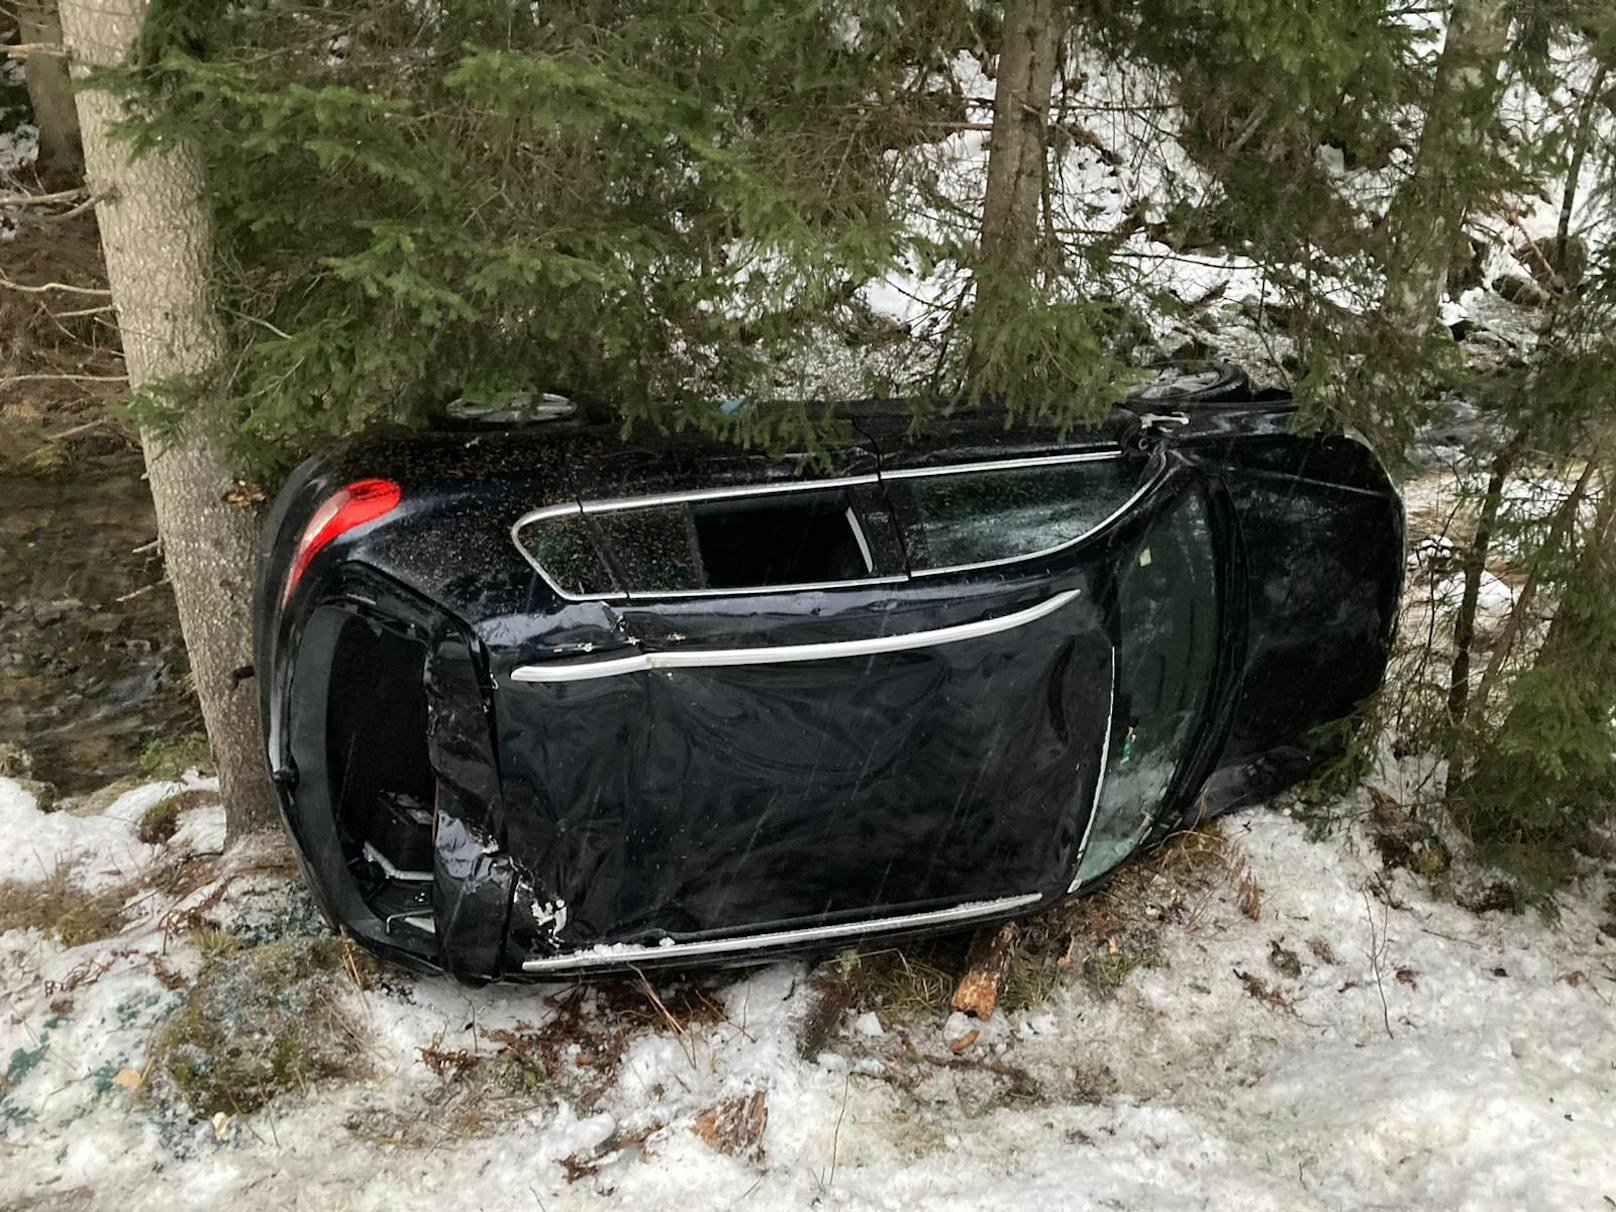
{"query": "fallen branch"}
(83, 208)
(24, 49)
(62, 378)
(18, 201)
(46, 287)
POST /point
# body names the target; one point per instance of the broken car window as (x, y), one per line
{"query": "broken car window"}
(962, 518)
(560, 544)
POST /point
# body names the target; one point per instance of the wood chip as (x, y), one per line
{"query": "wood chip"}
(129, 1079)
(736, 1124)
(959, 1045)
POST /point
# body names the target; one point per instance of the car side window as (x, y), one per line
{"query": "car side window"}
(800, 537)
(957, 518)
(560, 545)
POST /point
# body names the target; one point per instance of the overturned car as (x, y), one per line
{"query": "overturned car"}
(539, 701)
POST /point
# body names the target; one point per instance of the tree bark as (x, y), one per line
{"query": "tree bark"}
(1008, 244)
(156, 234)
(1475, 565)
(49, 90)
(1427, 216)
(1017, 146)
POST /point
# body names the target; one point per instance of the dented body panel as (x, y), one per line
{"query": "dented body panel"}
(535, 720)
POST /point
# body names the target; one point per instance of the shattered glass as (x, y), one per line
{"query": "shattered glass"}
(979, 517)
(564, 550)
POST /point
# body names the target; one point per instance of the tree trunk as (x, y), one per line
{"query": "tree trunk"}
(51, 93)
(1009, 242)
(157, 237)
(1579, 652)
(1427, 216)
(1016, 148)
(1475, 565)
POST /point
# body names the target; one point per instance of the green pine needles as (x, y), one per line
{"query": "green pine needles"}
(652, 205)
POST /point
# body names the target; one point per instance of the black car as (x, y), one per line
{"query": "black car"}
(539, 700)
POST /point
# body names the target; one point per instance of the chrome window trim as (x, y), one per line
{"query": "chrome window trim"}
(805, 587)
(1099, 779)
(616, 504)
(611, 956)
(956, 469)
(644, 662)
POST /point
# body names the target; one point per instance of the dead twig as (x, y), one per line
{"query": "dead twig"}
(135, 593)
(23, 50)
(1377, 956)
(18, 201)
(683, 1036)
(836, 1133)
(46, 287)
(62, 378)
(63, 434)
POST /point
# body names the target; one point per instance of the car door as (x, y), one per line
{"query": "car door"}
(832, 700)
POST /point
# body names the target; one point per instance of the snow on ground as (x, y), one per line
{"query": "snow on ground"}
(1361, 1043)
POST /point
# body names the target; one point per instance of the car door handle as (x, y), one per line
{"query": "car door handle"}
(835, 650)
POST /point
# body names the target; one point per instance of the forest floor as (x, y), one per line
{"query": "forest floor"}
(1276, 1013)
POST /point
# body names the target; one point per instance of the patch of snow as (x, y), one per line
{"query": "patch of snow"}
(103, 846)
(868, 1025)
(18, 148)
(1419, 1057)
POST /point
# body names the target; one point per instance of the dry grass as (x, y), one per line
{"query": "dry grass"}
(1102, 937)
(573, 1056)
(1109, 934)
(60, 909)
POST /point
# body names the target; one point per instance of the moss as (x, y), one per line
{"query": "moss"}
(170, 757)
(159, 822)
(262, 1022)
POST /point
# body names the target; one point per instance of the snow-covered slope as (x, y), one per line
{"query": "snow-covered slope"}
(1358, 1044)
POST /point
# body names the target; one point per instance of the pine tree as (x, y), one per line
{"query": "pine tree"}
(155, 234)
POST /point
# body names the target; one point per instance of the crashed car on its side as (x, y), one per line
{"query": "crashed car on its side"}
(541, 701)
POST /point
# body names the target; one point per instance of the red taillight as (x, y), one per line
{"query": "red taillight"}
(360, 502)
